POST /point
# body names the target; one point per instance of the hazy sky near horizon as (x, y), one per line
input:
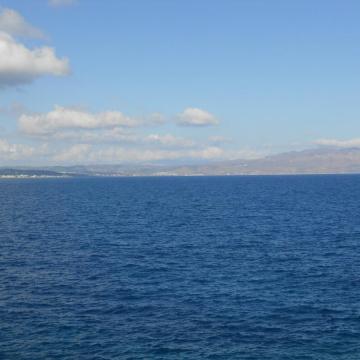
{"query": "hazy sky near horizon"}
(92, 81)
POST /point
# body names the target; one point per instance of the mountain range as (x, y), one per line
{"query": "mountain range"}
(313, 161)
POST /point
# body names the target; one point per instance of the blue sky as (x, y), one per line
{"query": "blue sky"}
(264, 77)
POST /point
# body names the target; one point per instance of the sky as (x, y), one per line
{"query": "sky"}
(169, 81)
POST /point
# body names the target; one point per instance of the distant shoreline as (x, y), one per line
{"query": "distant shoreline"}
(33, 177)
(75, 176)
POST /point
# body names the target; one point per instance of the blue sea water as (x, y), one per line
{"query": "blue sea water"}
(180, 268)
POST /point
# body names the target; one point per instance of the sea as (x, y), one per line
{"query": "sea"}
(234, 267)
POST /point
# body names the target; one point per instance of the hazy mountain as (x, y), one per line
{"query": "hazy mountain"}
(316, 161)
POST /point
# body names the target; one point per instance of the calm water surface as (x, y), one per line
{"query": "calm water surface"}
(180, 268)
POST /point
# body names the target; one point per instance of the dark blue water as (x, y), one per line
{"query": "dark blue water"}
(180, 268)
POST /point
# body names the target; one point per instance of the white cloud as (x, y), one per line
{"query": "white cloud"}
(217, 139)
(196, 117)
(19, 65)
(12, 23)
(100, 135)
(10, 151)
(121, 154)
(352, 143)
(116, 135)
(85, 153)
(89, 154)
(67, 118)
(80, 136)
(169, 140)
(113, 135)
(57, 3)
(76, 153)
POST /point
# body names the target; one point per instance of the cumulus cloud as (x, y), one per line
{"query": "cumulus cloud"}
(113, 135)
(83, 153)
(67, 118)
(169, 140)
(76, 153)
(96, 153)
(217, 139)
(12, 23)
(121, 154)
(352, 143)
(57, 3)
(196, 117)
(10, 151)
(104, 135)
(19, 65)
(80, 136)
(92, 154)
